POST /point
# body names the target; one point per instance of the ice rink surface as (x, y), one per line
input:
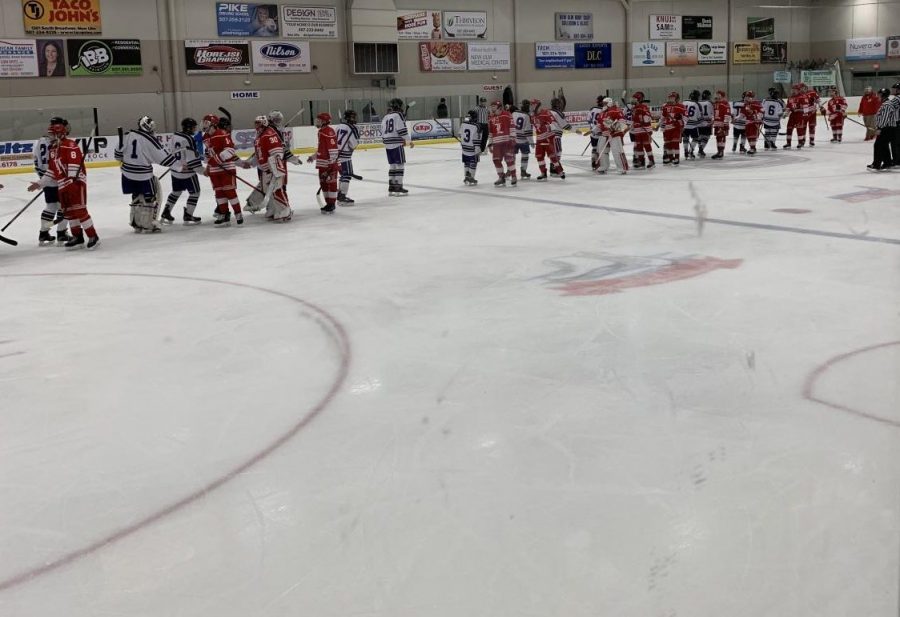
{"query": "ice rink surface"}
(550, 400)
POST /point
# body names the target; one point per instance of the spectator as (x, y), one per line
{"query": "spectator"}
(483, 114)
(885, 121)
(367, 112)
(441, 111)
(868, 107)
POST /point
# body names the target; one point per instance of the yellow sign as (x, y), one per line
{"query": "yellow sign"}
(61, 16)
(746, 53)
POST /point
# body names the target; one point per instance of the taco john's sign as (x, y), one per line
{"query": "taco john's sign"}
(62, 16)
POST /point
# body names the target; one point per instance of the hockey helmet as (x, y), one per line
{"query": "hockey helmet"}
(395, 104)
(146, 123)
(694, 95)
(773, 92)
(535, 104)
(600, 101)
(58, 127)
(225, 123)
(276, 118)
(721, 96)
(472, 116)
(638, 96)
(188, 125)
(896, 86)
(705, 95)
(496, 106)
(526, 106)
(324, 118)
(350, 116)
(748, 94)
(210, 121)
(884, 93)
(674, 96)
(607, 102)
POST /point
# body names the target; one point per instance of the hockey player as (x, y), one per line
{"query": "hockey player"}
(257, 197)
(595, 128)
(221, 168)
(614, 128)
(139, 150)
(326, 158)
(600, 163)
(641, 130)
(672, 123)
(773, 110)
(52, 213)
(65, 169)
(721, 119)
(502, 144)
(738, 126)
(545, 142)
(560, 124)
(706, 118)
(524, 136)
(184, 174)
(395, 137)
(268, 157)
(796, 117)
(693, 116)
(470, 142)
(810, 111)
(752, 112)
(347, 141)
(835, 110)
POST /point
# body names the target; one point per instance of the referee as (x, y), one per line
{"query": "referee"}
(886, 121)
(895, 134)
(483, 114)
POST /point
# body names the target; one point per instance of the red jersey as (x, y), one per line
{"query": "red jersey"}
(543, 125)
(795, 103)
(501, 128)
(721, 114)
(65, 165)
(613, 122)
(269, 151)
(836, 106)
(672, 116)
(220, 154)
(641, 120)
(752, 111)
(327, 152)
(810, 102)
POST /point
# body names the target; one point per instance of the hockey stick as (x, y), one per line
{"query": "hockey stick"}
(121, 133)
(855, 121)
(225, 112)
(450, 130)
(299, 113)
(19, 213)
(252, 186)
(9, 241)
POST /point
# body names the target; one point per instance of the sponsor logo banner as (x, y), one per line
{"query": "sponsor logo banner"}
(681, 53)
(782, 77)
(420, 24)
(101, 57)
(19, 58)
(219, 56)
(574, 26)
(697, 27)
(665, 27)
(760, 28)
(745, 53)
(465, 24)
(648, 54)
(712, 53)
(309, 22)
(369, 132)
(69, 17)
(281, 57)
(489, 56)
(873, 48)
(578, 119)
(16, 154)
(554, 55)
(593, 55)
(893, 47)
(442, 56)
(771, 52)
(817, 79)
(243, 19)
(428, 129)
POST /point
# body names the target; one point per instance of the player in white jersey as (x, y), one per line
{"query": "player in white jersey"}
(184, 174)
(773, 109)
(521, 118)
(706, 120)
(693, 116)
(347, 141)
(560, 124)
(138, 151)
(470, 141)
(738, 126)
(594, 126)
(395, 137)
(52, 213)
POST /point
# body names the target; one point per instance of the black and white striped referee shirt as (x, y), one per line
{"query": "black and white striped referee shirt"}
(483, 114)
(888, 114)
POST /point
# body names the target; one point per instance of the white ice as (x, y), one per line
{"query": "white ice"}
(722, 444)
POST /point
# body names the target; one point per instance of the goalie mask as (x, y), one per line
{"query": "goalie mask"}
(261, 123)
(147, 124)
(276, 118)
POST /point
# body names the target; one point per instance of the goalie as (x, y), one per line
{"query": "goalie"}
(268, 156)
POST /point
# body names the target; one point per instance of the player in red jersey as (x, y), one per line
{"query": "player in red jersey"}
(796, 118)
(268, 156)
(221, 167)
(641, 129)
(65, 168)
(810, 111)
(614, 126)
(545, 142)
(835, 111)
(721, 120)
(502, 144)
(672, 123)
(326, 158)
(752, 111)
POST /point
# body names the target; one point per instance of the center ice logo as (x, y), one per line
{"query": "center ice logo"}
(599, 274)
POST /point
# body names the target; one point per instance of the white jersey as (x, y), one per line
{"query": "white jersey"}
(347, 140)
(560, 123)
(393, 130)
(140, 150)
(772, 112)
(738, 121)
(469, 138)
(692, 115)
(592, 120)
(287, 140)
(523, 128)
(42, 157)
(189, 162)
(706, 113)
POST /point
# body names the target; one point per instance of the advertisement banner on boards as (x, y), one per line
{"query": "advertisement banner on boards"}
(442, 56)
(243, 19)
(429, 129)
(62, 17)
(369, 132)
(872, 48)
(665, 27)
(772, 52)
(818, 79)
(574, 26)
(712, 53)
(648, 54)
(554, 55)
(893, 47)
(281, 57)
(19, 58)
(745, 53)
(218, 56)
(760, 28)
(697, 27)
(465, 24)
(309, 22)
(102, 57)
(419, 24)
(489, 56)
(593, 55)
(681, 53)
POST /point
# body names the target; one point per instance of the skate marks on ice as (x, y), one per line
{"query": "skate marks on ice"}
(325, 321)
(5, 353)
